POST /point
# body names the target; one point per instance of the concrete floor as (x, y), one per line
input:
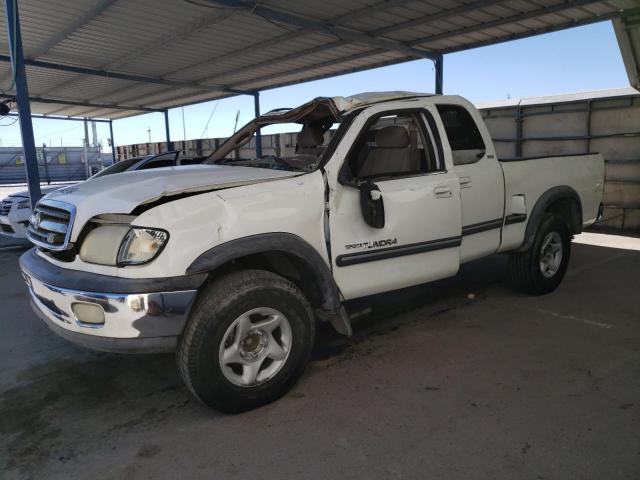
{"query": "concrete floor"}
(461, 379)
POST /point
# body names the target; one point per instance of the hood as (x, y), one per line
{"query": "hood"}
(123, 192)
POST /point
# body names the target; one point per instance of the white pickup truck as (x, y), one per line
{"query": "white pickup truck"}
(232, 262)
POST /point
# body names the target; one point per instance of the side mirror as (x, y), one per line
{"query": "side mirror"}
(372, 205)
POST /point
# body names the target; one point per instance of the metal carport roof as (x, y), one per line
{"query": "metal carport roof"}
(117, 58)
(627, 30)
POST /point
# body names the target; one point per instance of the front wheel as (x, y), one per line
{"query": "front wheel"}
(540, 269)
(247, 341)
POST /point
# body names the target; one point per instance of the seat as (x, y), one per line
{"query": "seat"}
(391, 155)
(309, 141)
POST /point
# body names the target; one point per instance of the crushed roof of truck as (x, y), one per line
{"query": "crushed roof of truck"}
(342, 105)
(346, 104)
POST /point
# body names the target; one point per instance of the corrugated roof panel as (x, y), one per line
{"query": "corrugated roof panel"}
(214, 69)
(182, 41)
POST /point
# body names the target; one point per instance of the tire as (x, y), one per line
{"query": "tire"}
(234, 318)
(527, 272)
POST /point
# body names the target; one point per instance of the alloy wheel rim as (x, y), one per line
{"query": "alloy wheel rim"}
(551, 254)
(255, 347)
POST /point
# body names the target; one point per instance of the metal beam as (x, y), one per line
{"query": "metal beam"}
(310, 24)
(256, 108)
(109, 74)
(167, 130)
(88, 104)
(47, 116)
(503, 21)
(439, 77)
(113, 145)
(22, 99)
(303, 69)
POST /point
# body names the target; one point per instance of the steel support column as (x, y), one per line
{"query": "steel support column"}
(439, 63)
(166, 128)
(256, 106)
(113, 145)
(22, 99)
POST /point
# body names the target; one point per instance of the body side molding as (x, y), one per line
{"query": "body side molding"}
(399, 251)
(515, 218)
(482, 226)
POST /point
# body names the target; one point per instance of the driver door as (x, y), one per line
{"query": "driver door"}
(399, 154)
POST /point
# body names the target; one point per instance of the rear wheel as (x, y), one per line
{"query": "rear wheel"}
(247, 341)
(540, 269)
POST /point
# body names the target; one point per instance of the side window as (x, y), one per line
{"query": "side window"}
(464, 137)
(393, 144)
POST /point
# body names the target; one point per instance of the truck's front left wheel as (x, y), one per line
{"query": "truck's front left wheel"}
(247, 341)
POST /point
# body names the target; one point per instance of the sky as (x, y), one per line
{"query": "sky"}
(581, 59)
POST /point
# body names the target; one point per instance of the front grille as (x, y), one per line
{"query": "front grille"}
(6, 228)
(5, 206)
(50, 224)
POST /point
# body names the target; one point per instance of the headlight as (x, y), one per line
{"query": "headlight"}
(101, 244)
(141, 245)
(23, 204)
(120, 245)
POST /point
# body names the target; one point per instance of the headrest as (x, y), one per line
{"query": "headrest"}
(310, 137)
(392, 137)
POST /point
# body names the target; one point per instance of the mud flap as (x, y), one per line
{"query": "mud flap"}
(341, 322)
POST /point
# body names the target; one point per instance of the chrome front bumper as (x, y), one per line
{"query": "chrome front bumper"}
(145, 322)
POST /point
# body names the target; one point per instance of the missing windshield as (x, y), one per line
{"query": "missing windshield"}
(292, 140)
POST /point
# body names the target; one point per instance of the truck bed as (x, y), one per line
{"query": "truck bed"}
(532, 176)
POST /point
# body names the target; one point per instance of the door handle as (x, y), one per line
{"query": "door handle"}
(442, 192)
(465, 182)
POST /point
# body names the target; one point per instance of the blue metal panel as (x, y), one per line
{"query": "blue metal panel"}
(22, 99)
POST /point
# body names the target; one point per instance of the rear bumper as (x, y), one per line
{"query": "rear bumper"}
(132, 321)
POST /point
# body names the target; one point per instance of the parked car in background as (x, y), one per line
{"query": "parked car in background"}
(15, 209)
(232, 263)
